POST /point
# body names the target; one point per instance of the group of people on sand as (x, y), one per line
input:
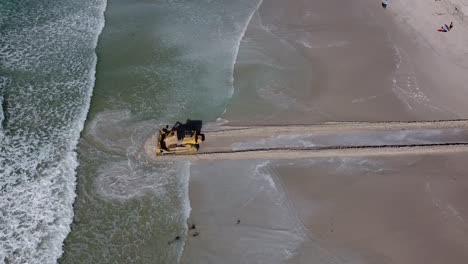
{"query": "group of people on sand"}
(446, 28)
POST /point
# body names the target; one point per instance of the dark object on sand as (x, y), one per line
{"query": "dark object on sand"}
(384, 3)
(195, 234)
(238, 221)
(175, 239)
(192, 227)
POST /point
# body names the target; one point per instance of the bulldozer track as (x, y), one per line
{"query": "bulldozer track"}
(221, 135)
(321, 152)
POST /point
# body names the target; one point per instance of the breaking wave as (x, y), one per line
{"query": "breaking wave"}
(48, 57)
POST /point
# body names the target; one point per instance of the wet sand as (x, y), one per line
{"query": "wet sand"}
(406, 209)
(317, 61)
(387, 209)
(240, 215)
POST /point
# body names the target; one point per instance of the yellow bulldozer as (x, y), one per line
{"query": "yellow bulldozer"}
(181, 138)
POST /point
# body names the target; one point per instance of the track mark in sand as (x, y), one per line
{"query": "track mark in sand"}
(319, 152)
(335, 127)
(447, 210)
(365, 99)
(336, 44)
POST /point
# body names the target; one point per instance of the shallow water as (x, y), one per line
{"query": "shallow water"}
(158, 62)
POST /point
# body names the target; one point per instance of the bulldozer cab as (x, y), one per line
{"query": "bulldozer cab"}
(188, 129)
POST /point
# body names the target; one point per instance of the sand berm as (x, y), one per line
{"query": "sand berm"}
(220, 140)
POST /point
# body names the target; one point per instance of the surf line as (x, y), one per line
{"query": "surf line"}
(188, 207)
(82, 116)
(239, 40)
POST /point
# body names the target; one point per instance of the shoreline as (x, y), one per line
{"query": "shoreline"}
(234, 61)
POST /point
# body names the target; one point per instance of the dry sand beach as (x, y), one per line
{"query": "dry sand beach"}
(317, 61)
(442, 58)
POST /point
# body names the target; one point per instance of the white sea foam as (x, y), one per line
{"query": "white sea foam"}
(36, 214)
(294, 231)
(38, 158)
(260, 172)
(129, 179)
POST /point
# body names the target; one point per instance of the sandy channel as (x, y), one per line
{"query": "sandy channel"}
(337, 138)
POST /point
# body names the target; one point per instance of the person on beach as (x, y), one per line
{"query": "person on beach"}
(442, 29)
(384, 3)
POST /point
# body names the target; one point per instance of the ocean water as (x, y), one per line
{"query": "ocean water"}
(47, 66)
(158, 62)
